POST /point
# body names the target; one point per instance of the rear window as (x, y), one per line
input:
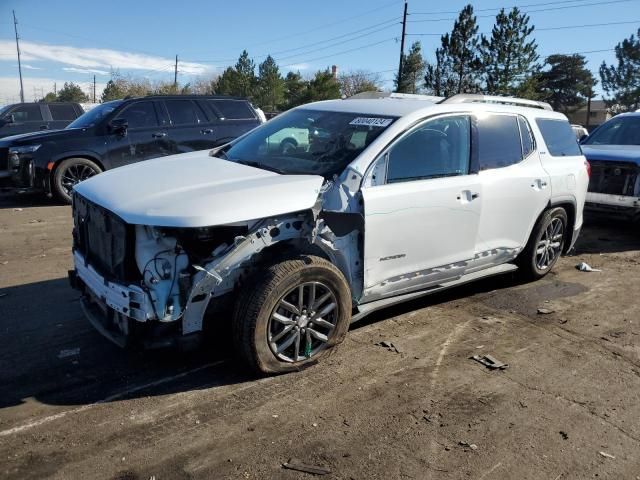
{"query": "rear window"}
(184, 112)
(498, 141)
(27, 113)
(233, 109)
(528, 144)
(62, 112)
(559, 137)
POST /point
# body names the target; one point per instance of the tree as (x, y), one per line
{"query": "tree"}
(114, 90)
(412, 70)
(246, 76)
(72, 92)
(439, 79)
(621, 82)
(359, 81)
(49, 97)
(270, 91)
(295, 90)
(323, 86)
(567, 83)
(226, 83)
(507, 55)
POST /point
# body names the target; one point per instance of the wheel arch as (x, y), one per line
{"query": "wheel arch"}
(570, 208)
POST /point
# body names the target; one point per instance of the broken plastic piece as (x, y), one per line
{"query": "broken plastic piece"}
(490, 362)
(585, 267)
(301, 467)
(606, 455)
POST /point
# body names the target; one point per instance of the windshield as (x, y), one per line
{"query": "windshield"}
(94, 115)
(4, 109)
(307, 142)
(617, 131)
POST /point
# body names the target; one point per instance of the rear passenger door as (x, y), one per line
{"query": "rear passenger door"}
(189, 128)
(236, 117)
(515, 187)
(61, 115)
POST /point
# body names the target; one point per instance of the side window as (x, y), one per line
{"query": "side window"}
(140, 115)
(62, 111)
(27, 113)
(498, 141)
(528, 143)
(233, 109)
(437, 148)
(183, 112)
(559, 137)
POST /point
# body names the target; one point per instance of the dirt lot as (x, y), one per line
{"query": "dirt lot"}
(74, 406)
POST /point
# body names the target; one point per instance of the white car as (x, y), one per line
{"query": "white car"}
(388, 200)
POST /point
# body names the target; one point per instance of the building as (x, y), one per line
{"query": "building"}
(599, 114)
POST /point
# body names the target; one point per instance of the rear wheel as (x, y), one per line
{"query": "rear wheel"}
(69, 173)
(545, 244)
(291, 314)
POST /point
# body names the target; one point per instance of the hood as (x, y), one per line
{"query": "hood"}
(39, 136)
(612, 153)
(197, 190)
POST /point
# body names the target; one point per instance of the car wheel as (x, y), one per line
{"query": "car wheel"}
(287, 146)
(292, 314)
(69, 173)
(545, 244)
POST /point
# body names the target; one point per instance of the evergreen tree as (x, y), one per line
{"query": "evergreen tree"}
(114, 90)
(49, 97)
(226, 83)
(245, 76)
(72, 92)
(270, 91)
(295, 89)
(508, 55)
(567, 82)
(621, 82)
(323, 86)
(412, 70)
(438, 79)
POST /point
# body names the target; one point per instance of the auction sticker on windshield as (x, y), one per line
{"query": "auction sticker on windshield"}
(371, 121)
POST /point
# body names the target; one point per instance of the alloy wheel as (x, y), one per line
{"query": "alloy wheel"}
(74, 174)
(549, 245)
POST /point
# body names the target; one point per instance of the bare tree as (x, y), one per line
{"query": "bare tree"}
(359, 81)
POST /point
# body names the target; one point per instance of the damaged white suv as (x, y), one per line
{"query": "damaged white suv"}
(322, 215)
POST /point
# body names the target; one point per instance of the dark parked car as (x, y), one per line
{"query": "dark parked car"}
(21, 118)
(119, 133)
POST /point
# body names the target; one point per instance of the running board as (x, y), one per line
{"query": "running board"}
(367, 308)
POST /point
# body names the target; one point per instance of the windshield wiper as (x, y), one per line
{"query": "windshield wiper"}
(252, 163)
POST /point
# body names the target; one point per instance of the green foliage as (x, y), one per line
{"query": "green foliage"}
(72, 92)
(49, 97)
(323, 87)
(508, 55)
(412, 70)
(566, 83)
(270, 85)
(621, 82)
(114, 90)
(295, 90)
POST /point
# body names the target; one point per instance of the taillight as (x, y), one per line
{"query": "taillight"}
(588, 165)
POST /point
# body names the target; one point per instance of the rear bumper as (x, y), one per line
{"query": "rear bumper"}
(617, 205)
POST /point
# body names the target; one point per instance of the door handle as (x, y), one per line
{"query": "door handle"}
(467, 196)
(159, 134)
(206, 131)
(539, 184)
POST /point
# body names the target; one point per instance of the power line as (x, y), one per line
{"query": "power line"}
(500, 8)
(342, 52)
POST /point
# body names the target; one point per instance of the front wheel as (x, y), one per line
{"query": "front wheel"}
(291, 314)
(69, 173)
(545, 244)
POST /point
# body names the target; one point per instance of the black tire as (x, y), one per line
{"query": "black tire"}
(529, 260)
(287, 145)
(261, 299)
(68, 170)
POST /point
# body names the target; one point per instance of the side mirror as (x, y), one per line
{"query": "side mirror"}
(119, 126)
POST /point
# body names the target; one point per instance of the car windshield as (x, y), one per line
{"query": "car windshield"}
(305, 141)
(617, 131)
(4, 109)
(94, 115)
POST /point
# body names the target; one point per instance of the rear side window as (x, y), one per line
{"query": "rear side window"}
(233, 109)
(528, 144)
(27, 113)
(183, 112)
(140, 115)
(559, 137)
(498, 141)
(62, 112)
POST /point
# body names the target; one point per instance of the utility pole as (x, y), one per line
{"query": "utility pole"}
(15, 28)
(55, 89)
(94, 89)
(404, 28)
(175, 75)
(589, 107)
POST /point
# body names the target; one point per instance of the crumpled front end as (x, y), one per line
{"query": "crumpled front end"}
(614, 188)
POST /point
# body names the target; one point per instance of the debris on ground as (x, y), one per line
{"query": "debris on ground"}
(72, 352)
(472, 446)
(545, 311)
(4, 263)
(490, 362)
(585, 267)
(301, 467)
(388, 345)
(606, 455)
(17, 209)
(564, 435)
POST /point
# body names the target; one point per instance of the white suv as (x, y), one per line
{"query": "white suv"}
(383, 201)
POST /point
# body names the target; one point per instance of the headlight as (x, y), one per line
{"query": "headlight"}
(25, 149)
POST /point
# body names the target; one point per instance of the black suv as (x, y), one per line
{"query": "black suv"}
(121, 132)
(19, 118)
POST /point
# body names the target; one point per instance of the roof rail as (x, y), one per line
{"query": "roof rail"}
(479, 98)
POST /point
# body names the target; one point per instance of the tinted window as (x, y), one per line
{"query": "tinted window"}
(62, 112)
(140, 115)
(617, 131)
(233, 109)
(559, 137)
(27, 113)
(183, 112)
(95, 115)
(528, 144)
(438, 148)
(498, 141)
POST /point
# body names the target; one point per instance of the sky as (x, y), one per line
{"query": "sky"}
(73, 40)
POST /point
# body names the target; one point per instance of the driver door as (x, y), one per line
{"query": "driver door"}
(422, 211)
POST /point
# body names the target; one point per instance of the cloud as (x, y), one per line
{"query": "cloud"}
(100, 58)
(30, 67)
(298, 66)
(36, 87)
(85, 70)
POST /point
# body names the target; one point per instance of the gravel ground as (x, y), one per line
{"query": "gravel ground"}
(567, 407)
